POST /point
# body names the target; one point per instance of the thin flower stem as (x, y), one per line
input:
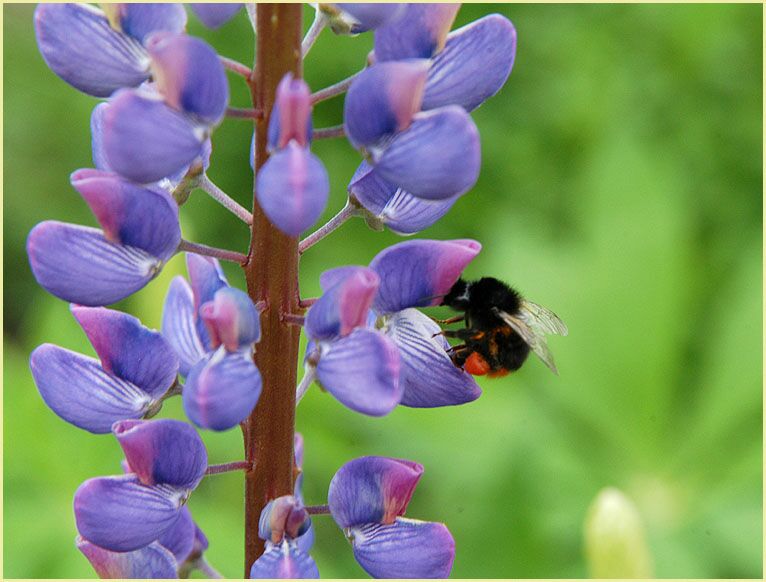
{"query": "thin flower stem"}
(207, 569)
(320, 21)
(302, 388)
(317, 509)
(333, 90)
(223, 254)
(347, 212)
(228, 467)
(244, 113)
(325, 132)
(293, 319)
(224, 199)
(236, 67)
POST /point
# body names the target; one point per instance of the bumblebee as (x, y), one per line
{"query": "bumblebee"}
(501, 328)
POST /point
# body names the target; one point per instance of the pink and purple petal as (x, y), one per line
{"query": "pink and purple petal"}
(163, 452)
(292, 189)
(121, 514)
(284, 560)
(418, 273)
(78, 264)
(78, 390)
(382, 100)
(429, 377)
(344, 306)
(419, 34)
(152, 561)
(179, 326)
(222, 390)
(291, 115)
(80, 46)
(231, 319)
(437, 157)
(140, 20)
(371, 15)
(474, 65)
(215, 15)
(179, 539)
(405, 549)
(362, 371)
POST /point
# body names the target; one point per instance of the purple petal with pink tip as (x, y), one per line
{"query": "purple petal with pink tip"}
(419, 34)
(474, 64)
(428, 375)
(344, 306)
(152, 561)
(140, 20)
(231, 319)
(78, 390)
(284, 560)
(291, 116)
(437, 157)
(121, 514)
(163, 452)
(179, 326)
(215, 15)
(222, 390)
(418, 273)
(405, 549)
(362, 371)
(80, 46)
(292, 189)
(382, 100)
(128, 349)
(372, 490)
(372, 15)
(78, 264)
(145, 140)
(189, 75)
(180, 537)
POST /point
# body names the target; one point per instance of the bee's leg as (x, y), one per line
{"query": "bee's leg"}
(450, 320)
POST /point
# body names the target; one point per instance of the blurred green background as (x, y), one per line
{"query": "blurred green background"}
(621, 186)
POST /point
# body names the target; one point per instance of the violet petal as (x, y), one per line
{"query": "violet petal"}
(152, 561)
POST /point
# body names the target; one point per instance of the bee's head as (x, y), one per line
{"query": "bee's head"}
(457, 298)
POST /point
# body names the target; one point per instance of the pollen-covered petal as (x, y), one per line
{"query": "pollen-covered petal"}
(428, 375)
(145, 140)
(179, 326)
(419, 34)
(80, 46)
(292, 189)
(474, 64)
(291, 115)
(405, 549)
(189, 75)
(231, 319)
(362, 371)
(371, 15)
(372, 490)
(128, 349)
(78, 264)
(179, 539)
(215, 15)
(78, 390)
(163, 452)
(284, 560)
(344, 306)
(437, 157)
(121, 514)
(222, 390)
(152, 561)
(140, 20)
(417, 273)
(382, 100)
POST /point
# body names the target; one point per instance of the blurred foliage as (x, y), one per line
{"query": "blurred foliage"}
(621, 186)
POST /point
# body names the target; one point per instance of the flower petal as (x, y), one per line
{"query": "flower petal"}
(78, 44)
(78, 390)
(369, 16)
(178, 325)
(145, 140)
(428, 375)
(418, 34)
(362, 371)
(404, 549)
(215, 15)
(343, 306)
(231, 319)
(163, 452)
(292, 189)
(284, 561)
(222, 390)
(437, 157)
(180, 537)
(382, 100)
(78, 264)
(152, 561)
(418, 273)
(291, 116)
(372, 490)
(120, 514)
(474, 64)
(140, 20)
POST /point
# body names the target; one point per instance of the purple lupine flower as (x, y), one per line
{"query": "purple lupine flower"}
(215, 15)
(212, 328)
(135, 369)
(292, 186)
(99, 52)
(354, 18)
(282, 523)
(128, 512)
(152, 561)
(92, 267)
(367, 498)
